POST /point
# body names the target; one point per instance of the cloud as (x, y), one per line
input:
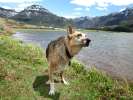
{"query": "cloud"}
(19, 4)
(101, 3)
(18, 1)
(101, 8)
(121, 2)
(85, 3)
(70, 16)
(78, 9)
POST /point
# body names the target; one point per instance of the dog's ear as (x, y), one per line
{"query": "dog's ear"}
(70, 30)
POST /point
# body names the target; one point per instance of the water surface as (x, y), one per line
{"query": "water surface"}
(109, 51)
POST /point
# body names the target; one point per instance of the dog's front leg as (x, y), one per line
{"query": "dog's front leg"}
(52, 89)
(62, 78)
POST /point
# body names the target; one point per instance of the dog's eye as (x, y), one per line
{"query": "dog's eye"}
(79, 35)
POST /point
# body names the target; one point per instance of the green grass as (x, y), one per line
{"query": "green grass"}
(23, 77)
(6, 26)
(39, 30)
(9, 27)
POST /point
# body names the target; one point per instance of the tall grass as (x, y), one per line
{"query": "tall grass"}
(93, 84)
(19, 65)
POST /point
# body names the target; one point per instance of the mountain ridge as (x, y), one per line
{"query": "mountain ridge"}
(7, 13)
(38, 15)
(112, 19)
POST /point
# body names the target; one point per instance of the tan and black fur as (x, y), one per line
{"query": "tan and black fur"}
(59, 53)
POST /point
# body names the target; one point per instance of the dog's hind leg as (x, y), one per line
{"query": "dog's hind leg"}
(63, 79)
(51, 81)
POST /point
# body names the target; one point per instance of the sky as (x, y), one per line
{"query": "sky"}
(72, 8)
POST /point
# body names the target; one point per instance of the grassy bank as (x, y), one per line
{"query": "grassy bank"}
(39, 30)
(23, 77)
(9, 26)
(5, 26)
(119, 28)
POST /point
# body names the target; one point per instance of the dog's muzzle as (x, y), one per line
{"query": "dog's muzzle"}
(86, 42)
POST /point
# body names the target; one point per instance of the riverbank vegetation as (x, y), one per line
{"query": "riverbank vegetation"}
(123, 27)
(126, 28)
(8, 26)
(5, 26)
(23, 77)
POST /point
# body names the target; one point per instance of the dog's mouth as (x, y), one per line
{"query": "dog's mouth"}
(86, 42)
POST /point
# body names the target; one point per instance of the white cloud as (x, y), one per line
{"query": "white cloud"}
(101, 8)
(101, 3)
(121, 2)
(19, 4)
(70, 16)
(18, 1)
(85, 3)
(78, 9)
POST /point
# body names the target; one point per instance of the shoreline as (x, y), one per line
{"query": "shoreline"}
(63, 29)
(39, 29)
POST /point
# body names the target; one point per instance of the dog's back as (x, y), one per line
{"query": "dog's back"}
(56, 49)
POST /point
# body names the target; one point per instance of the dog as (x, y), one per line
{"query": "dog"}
(60, 51)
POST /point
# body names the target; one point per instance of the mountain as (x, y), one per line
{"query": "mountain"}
(36, 14)
(7, 13)
(114, 19)
(83, 22)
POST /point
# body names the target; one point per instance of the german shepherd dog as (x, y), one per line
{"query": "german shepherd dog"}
(59, 53)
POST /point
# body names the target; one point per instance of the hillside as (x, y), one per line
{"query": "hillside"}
(6, 26)
(37, 15)
(125, 16)
(7, 13)
(122, 20)
(23, 77)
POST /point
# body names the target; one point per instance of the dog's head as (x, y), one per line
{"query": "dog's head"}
(77, 38)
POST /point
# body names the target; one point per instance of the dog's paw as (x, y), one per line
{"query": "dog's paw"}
(65, 82)
(48, 82)
(51, 92)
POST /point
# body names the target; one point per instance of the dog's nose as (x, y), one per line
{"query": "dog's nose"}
(87, 42)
